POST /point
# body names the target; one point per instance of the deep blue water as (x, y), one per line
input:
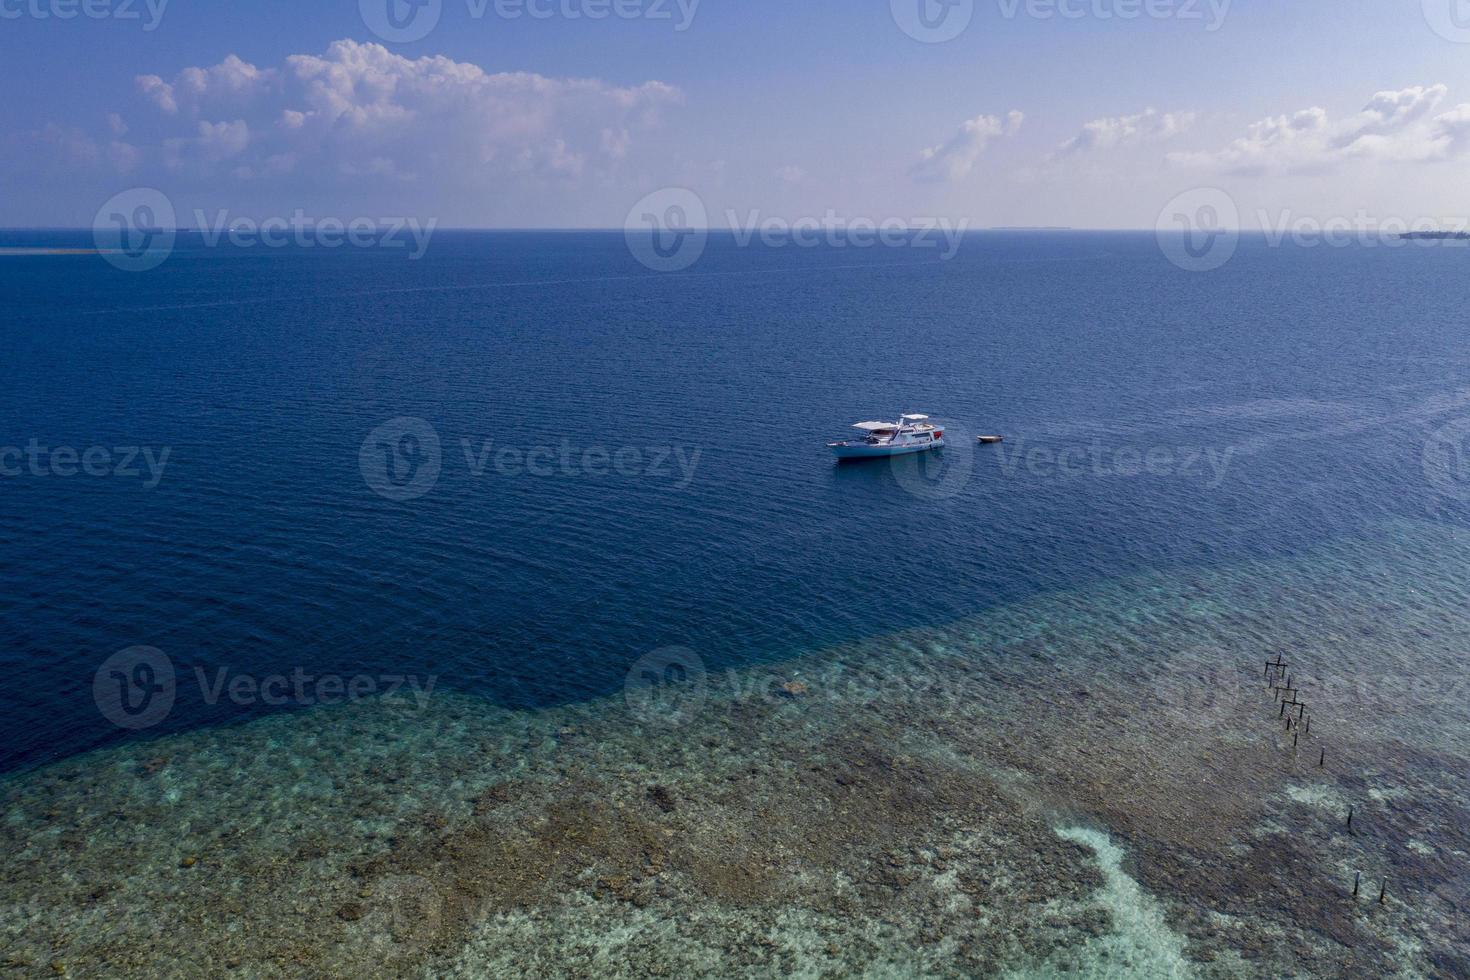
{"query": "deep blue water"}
(262, 371)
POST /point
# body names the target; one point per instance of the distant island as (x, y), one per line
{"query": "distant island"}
(42, 250)
(1031, 228)
(1435, 236)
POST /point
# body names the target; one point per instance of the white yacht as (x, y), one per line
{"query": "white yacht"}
(910, 434)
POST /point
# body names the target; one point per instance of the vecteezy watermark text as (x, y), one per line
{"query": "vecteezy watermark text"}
(670, 687)
(679, 12)
(302, 231)
(137, 229)
(1361, 228)
(303, 689)
(149, 12)
(136, 688)
(406, 21)
(1100, 461)
(938, 21)
(668, 230)
(129, 462)
(835, 231)
(1211, 13)
(1200, 230)
(403, 458)
(674, 463)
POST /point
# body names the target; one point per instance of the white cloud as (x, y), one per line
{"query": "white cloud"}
(232, 83)
(615, 142)
(359, 110)
(211, 144)
(1394, 126)
(67, 144)
(954, 159)
(1148, 126)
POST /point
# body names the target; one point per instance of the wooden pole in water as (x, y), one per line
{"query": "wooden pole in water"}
(1350, 818)
(1383, 891)
(1323, 760)
(1357, 881)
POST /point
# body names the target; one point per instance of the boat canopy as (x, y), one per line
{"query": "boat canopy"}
(875, 426)
(916, 418)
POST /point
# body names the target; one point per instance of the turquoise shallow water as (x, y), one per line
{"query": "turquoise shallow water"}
(1091, 781)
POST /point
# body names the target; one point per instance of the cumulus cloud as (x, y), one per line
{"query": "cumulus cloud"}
(954, 159)
(1402, 126)
(361, 111)
(67, 144)
(1148, 126)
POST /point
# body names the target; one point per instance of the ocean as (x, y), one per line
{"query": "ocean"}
(327, 560)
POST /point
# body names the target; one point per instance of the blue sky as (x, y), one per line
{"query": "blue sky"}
(788, 108)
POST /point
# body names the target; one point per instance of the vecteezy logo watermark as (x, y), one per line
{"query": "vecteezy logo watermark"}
(400, 459)
(666, 687)
(405, 21)
(1445, 459)
(932, 21)
(123, 10)
(137, 688)
(401, 21)
(416, 909)
(306, 232)
(1450, 19)
(128, 462)
(135, 230)
(667, 230)
(1199, 230)
(939, 474)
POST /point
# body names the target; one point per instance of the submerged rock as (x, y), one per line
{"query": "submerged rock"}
(661, 796)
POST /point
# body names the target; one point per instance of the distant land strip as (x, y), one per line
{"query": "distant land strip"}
(41, 250)
(1435, 236)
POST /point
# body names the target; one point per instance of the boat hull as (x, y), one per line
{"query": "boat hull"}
(848, 451)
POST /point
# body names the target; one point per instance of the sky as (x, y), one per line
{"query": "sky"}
(566, 113)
